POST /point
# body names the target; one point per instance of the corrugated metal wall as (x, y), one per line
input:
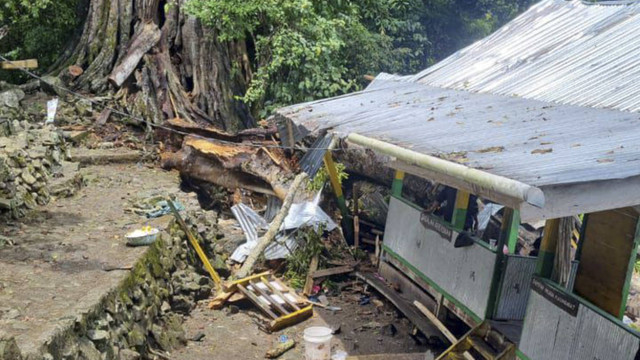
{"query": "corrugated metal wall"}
(464, 273)
(550, 333)
(516, 285)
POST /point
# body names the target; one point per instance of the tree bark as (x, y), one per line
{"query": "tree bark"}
(161, 62)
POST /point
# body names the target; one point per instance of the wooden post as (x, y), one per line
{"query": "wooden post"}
(335, 183)
(460, 210)
(512, 231)
(396, 186)
(547, 251)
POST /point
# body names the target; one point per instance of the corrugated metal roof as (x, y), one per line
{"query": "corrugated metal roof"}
(550, 98)
(566, 52)
(531, 141)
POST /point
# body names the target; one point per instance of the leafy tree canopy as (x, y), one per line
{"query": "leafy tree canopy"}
(37, 29)
(307, 49)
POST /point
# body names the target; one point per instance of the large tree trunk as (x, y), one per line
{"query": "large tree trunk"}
(160, 62)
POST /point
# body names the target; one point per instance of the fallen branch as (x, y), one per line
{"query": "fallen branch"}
(142, 42)
(273, 228)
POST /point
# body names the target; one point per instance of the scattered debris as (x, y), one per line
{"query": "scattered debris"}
(271, 296)
(542, 151)
(273, 228)
(280, 349)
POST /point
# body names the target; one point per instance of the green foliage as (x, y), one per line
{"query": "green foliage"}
(322, 176)
(299, 260)
(306, 49)
(37, 29)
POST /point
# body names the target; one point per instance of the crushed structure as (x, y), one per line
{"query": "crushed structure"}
(540, 117)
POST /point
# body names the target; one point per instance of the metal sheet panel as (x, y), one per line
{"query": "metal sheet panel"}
(566, 52)
(464, 273)
(533, 142)
(550, 333)
(516, 285)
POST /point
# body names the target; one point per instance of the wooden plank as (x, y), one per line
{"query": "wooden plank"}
(279, 293)
(19, 64)
(254, 299)
(609, 240)
(308, 285)
(269, 298)
(443, 329)
(232, 286)
(332, 271)
(291, 319)
(405, 307)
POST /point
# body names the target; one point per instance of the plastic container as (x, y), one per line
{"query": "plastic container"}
(317, 343)
(142, 237)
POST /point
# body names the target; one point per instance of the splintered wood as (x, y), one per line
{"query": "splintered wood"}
(276, 300)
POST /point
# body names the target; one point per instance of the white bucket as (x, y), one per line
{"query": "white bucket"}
(317, 343)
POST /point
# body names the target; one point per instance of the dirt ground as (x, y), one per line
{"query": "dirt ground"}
(55, 269)
(363, 329)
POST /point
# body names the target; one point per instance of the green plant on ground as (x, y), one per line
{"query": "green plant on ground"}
(310, 245)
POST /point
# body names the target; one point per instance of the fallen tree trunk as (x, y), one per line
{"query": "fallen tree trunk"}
(190, 163)
(270, 235)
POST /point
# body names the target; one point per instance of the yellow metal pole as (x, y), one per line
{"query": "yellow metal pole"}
(196, 246)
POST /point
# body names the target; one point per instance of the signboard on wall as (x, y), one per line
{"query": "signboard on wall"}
(558, 298)
(433, 224)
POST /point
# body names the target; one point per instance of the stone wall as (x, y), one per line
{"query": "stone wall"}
(28, 160)
(144, 312)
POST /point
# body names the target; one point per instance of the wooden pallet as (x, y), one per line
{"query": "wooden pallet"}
(484, 341)
(276, 300)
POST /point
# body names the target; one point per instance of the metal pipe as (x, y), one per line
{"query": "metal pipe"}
(496, 183)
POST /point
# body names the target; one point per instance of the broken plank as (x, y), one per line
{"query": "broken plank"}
(19, 64)
(439, 325)
(332, 271)
(413, 356)
(404, 306)
(279, 293)
(308, 285)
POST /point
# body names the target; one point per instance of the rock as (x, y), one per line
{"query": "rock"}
(165, 307)
(28, 178)
(11, 98)
(87, 350)
(52, 85)
(98, 335)
(9, 349)
(128, 354)
(136, 336)
(182, 304)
